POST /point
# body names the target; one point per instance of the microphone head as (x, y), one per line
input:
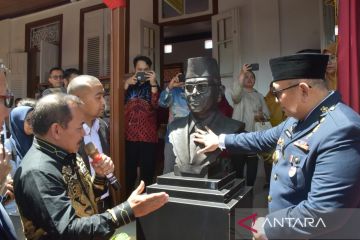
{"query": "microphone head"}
(90, 149)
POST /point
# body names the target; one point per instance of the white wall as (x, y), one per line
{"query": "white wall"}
(139, 9)
(15, 42)
(299, 25)
(187, 49)
(269, 28)
(272, 28)
(4, 39)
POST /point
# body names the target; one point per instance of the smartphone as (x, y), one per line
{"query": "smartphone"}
(140, 76)
(254, 67)
(181, 77)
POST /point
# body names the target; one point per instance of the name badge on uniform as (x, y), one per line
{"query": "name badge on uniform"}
(288, 133)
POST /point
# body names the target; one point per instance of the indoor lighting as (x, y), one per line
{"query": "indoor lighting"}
(208, 44)
(168, 48)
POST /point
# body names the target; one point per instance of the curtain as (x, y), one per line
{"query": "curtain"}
(112, 4)
(348, 52)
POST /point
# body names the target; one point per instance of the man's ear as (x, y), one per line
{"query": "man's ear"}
(55, 131)
(305, 88)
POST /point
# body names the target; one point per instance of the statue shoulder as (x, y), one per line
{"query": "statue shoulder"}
(178, 123)
(229, 125)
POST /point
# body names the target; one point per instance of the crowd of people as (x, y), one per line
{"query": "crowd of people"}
(63, 193)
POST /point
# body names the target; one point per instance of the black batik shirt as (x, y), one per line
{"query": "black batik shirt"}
(56, 196)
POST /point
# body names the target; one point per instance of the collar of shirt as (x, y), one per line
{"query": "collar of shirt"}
(95, 127)
(331, 99)
(54, 151)
(201, 124)
(330, 93)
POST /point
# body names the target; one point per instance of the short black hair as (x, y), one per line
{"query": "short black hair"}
(142, 58)
(55, 68)
(53, 108)
(69, 71)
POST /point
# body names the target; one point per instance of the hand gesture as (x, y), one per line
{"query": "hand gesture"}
(104, 167)
(9, 194)
(208, 138)
(175, 82)
(146, 203)
(130, 81)
(246, 68)
(151, 76)
(5, 166)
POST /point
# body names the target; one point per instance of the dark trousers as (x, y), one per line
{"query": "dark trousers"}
(251, 162)
(142, 155)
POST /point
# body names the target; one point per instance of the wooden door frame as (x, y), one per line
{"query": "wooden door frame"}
(28, 28)
(83, 11)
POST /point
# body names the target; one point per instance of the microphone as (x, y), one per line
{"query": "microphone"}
(91, 151)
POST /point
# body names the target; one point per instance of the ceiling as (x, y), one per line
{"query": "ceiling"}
(16, 8)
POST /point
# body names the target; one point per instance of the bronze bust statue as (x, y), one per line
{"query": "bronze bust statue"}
(203, 93)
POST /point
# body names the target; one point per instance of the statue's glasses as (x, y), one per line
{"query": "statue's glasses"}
(8, 100)
(201, 88)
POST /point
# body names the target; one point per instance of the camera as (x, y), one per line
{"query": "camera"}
(141, 76)
(254, 67)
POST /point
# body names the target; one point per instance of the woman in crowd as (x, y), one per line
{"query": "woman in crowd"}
(21, 130)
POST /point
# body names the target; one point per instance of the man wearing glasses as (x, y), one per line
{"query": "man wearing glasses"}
(7, 230)
(203, 93)
(56, 81)
(316, 169)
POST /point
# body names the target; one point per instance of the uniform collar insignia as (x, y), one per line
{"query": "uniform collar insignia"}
(327, 105)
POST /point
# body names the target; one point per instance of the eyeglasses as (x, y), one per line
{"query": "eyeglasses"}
(57, 76)
(200, 87)
(276, 93)
(8, 100)
(332, 58)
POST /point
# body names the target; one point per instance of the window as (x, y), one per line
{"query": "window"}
(170, 10)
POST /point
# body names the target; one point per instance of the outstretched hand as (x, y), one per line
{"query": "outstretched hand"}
(207, 138)
(146, 203)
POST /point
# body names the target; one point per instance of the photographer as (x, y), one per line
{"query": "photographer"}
(141, 101)
(249, 107)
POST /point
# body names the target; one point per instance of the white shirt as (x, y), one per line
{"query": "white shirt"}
(92, 135)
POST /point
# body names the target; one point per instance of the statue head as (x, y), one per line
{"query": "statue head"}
(202, 85)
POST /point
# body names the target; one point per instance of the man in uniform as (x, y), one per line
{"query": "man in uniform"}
(316, 170)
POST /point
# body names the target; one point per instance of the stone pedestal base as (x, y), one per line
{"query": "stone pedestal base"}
(198, 208)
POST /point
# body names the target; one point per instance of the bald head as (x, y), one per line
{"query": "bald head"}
(90, 90)
(82, 84)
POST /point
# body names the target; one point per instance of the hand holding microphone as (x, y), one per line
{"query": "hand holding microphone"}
(100, 159)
